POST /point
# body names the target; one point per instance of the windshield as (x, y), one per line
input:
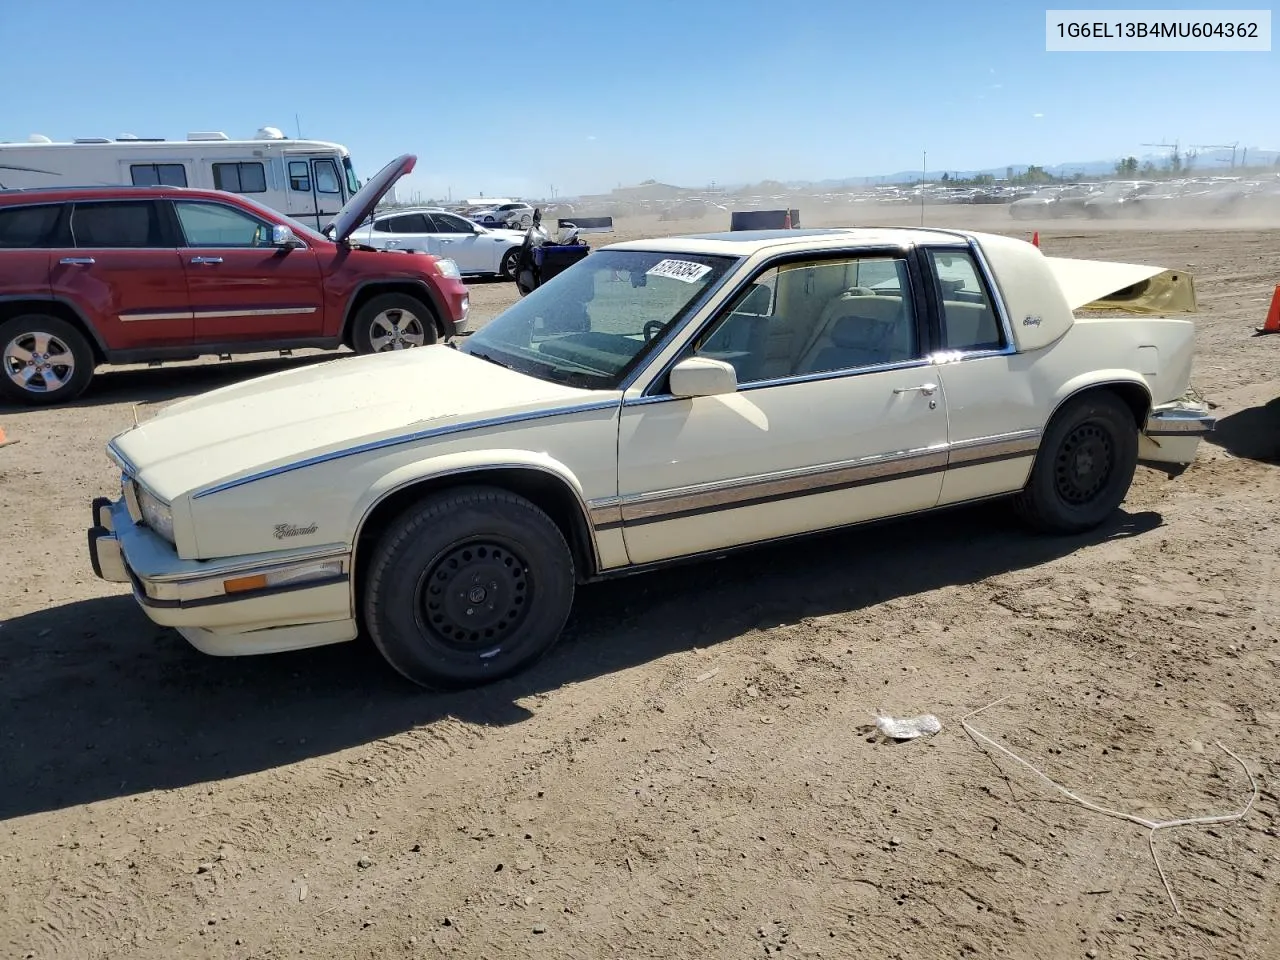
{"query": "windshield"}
(353, 185)
(589, 326)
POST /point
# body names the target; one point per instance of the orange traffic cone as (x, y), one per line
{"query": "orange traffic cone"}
(5, 441)
(1272, 324)
(1035, 239)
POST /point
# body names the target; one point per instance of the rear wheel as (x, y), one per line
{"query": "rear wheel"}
(393, 321)
(44, 360)
(469, 586)
(1085, 465)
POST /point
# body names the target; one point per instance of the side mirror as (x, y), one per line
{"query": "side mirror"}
(702, 377)
(282, 236)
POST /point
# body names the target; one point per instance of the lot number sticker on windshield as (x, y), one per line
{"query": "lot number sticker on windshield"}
(679, 270)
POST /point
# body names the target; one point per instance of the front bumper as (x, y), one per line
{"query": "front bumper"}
(1173, 431)
(252, 604)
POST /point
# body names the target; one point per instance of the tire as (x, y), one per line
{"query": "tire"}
(393, 321)
(1084, 468)
(58, 354)
(507, 269)
(504, 551)
(526, 221)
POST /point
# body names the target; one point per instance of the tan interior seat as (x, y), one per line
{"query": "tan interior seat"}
(859, 330)
(970, 326)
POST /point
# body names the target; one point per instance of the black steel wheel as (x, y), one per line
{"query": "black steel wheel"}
(469, 586)
(1084, 467)
(474, 596)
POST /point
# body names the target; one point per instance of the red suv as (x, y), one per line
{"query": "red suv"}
(120, 274)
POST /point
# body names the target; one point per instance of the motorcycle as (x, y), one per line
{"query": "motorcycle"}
(541, 256)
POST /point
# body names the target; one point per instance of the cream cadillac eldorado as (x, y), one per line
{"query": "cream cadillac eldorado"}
(660, 400)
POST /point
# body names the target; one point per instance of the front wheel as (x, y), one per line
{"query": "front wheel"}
(468, 587)
(1084, 467)
(44, 360)
(507, 270)
(393, 321)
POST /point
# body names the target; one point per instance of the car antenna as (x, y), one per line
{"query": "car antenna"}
(135, 414)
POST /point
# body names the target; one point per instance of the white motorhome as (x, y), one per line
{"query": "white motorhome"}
(308, 180)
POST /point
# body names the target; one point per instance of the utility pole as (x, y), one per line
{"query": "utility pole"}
(1174, 160)
(924, 168)
(1223, 146)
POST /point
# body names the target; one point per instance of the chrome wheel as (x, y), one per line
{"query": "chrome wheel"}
(39, 362)
(396, 329)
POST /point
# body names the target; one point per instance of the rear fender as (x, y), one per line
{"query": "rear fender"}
(1129, 380)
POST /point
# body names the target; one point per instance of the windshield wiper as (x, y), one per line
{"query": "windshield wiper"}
(575, 378)
(485, 356)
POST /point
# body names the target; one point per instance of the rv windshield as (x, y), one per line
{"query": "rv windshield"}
(353, 185)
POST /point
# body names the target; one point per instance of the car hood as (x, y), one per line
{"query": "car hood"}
(284, 417)
(358, 209)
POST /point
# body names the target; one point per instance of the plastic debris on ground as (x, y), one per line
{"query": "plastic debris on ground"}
(897, 728)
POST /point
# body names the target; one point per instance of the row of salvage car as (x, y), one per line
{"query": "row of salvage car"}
(1198, 197)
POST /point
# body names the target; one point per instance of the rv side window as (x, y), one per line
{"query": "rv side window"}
(299, 176)
(327, 177)
(158, 174)
(240, 177)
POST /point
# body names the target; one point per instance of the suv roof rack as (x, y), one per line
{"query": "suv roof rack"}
(92, 186)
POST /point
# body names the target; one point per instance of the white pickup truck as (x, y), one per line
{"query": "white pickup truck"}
(659, 401)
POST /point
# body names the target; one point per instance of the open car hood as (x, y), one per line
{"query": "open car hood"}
(358, 208)
(1130, 287)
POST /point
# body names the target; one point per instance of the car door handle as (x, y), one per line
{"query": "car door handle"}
(928, 389)
(82, 260)
(206, 259)
(446, 241)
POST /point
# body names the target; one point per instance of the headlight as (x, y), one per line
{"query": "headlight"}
(449, 269)
(156, 513)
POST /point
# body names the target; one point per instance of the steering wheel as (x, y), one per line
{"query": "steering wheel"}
(652, 329)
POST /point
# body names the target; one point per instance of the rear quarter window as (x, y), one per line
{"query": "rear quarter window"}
(26, 227)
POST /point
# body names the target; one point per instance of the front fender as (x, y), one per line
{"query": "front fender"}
(458, 464)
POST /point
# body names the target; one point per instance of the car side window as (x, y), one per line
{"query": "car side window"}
(405, 223)
(215, 225)
(117, 223)
(968, 317)
(444, 223)
(817, 316)
(248, 177)
(28, 227)
(299, 176)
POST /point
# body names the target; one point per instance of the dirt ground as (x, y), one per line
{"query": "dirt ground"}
(689, 774)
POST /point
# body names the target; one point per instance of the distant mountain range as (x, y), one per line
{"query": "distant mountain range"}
(1204, 161)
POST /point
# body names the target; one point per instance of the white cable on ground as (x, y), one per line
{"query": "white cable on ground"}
(1152, 825)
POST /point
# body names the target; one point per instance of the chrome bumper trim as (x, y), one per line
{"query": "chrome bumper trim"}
(154, 585)
(1180, 420)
